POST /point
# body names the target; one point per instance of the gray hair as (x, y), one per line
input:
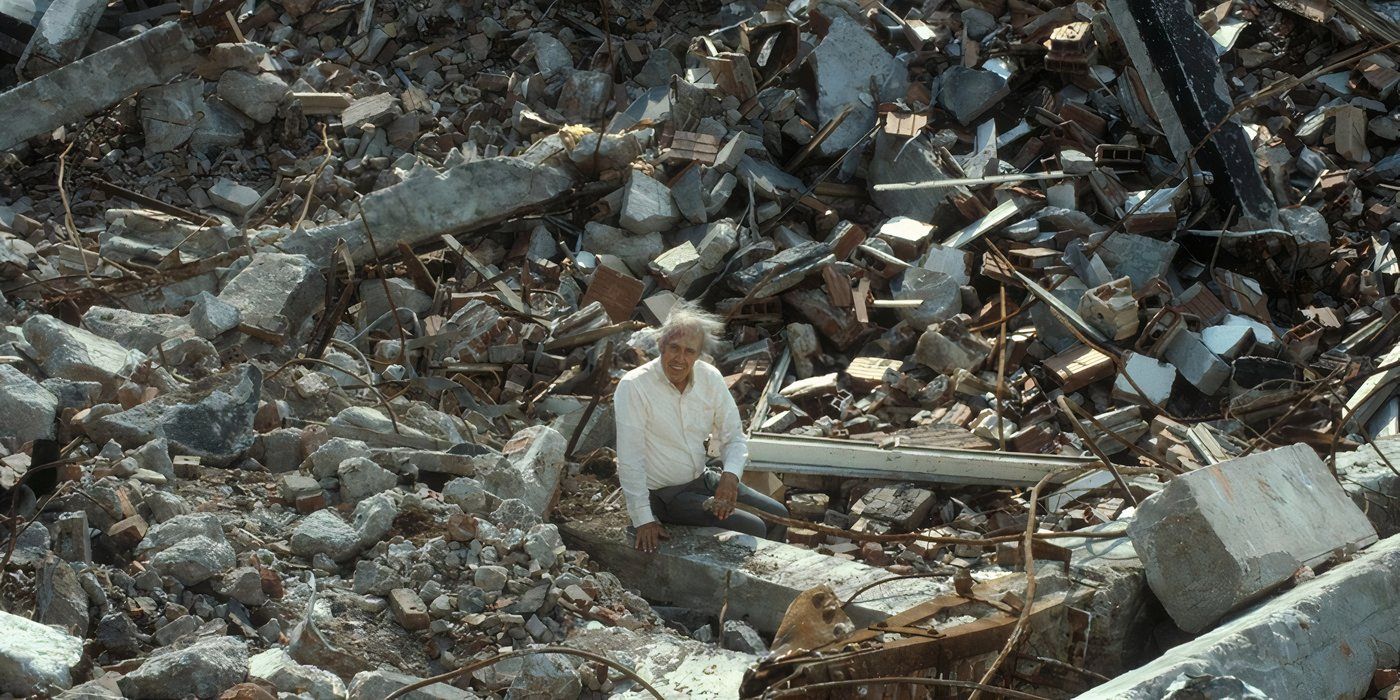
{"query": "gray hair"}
(687, 317)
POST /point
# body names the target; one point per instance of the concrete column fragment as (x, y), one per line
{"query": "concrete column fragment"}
(94, 83)
(63, 31)
(425, 207)
(1181, 73)
(1224, 535)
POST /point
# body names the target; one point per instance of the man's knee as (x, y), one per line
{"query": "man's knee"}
(747, 523)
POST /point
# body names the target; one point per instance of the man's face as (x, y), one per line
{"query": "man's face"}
(678, 356)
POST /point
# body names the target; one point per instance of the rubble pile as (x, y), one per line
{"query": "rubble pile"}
(310, 316)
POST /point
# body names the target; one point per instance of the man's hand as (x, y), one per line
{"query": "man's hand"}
(726, 494)
(650, 535)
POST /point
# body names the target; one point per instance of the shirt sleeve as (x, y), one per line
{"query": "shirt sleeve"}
(631, 453)
(727, 433)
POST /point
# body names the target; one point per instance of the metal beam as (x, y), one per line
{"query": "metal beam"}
(789, 454)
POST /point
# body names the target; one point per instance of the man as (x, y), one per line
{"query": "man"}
(665, 410)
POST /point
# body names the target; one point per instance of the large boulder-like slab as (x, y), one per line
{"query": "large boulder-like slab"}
(1322, 639)
(72, 353)
(203, 669)
(29, 408)
(94, 82)
(277, 293)
(847, 63)
(36, 659)
(1220, 537)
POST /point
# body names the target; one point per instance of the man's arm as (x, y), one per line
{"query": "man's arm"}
(727, 432)
(631, 453)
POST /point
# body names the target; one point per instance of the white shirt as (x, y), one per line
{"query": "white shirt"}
(661, 431)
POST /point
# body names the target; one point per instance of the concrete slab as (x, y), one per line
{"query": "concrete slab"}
(1372, 485)
(95, 82)
(765, 576)
(1123, 613)
(1322, 639)
(431, 205)
(676, 666)
(1220, 537)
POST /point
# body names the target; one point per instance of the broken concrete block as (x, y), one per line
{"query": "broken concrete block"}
(323, 532)
(212, 419)
(234, 198)
(455, 200)
(792, 266)
(36, 659)
(94, 82)
(361, 478)
(689, 195)
(75, 354)
(585, 96)
(379, 110)
(635, 251)
(1222, 536)
(551, 55)
(849, 63)
(204, 669)
(170, 114)
(376, 685)
(968, 93)
(256, 95)
(940, 296)
(1152, 375)
(135, 330)
(211, 317)
(904, 506)
(534, 460)
(63, 32)
(375, 303)
(29, 408)
(1196, 362)
(60, 599)
(277, 667)
(647, 206)
(1312, 636)
(195, 560)
(948, 347)
(278, 294)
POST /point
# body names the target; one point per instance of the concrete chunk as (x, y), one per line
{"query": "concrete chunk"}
(212, 420)
(968, 93)
(647, 206)
(422, 208)
(94, 83)
(73, 353)
(36, 659)
(1322, 639)
(29, 408)
(1224, 535)
(848, 63)
(232, 197)
(203, 669)
(63, 31)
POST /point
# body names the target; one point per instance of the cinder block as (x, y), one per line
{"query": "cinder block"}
(1223, 536)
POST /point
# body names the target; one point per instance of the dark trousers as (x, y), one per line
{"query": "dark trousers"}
(684, 504)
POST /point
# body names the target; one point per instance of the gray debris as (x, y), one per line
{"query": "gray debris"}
(205, 669)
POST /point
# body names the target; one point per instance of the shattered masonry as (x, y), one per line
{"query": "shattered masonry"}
(311, 315)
